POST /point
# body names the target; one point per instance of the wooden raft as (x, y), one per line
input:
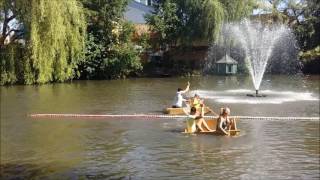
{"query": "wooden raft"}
(179, 111)
(212, 123)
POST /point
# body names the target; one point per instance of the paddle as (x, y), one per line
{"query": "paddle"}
(212, 111)
(236, 130)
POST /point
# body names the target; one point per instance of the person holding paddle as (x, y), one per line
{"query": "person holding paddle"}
(196, 101)
(178, 99)
(224, 123)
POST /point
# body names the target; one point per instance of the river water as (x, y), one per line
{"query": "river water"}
(72, 148)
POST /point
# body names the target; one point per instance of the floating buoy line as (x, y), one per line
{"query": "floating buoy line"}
(162, 116)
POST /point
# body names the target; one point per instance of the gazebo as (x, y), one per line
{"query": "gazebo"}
(226, 65)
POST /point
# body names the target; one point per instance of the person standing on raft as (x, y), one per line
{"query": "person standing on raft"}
(178, 99)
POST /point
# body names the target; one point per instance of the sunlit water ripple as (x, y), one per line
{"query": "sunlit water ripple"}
(155, 148)
(240, 96)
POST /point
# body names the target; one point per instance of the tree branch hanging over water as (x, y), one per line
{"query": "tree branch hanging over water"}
(53, 34)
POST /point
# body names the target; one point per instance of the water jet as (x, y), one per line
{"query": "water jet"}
(257, 40)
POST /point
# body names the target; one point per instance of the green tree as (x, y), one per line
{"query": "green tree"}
(11, 50)
(110, 53)
(188, 21)
(52, 35)
(12, 16)
(303, 17)
(165, 22)
(237, 10)
(57, 34)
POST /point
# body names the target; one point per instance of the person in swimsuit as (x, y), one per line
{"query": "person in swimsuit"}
(224, 123)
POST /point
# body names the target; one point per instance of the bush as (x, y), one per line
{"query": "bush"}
(123, 62)
(118, 62)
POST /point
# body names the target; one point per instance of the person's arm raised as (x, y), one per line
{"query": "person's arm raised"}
(187, 88)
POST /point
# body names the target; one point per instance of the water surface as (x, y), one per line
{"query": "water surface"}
(156, 148)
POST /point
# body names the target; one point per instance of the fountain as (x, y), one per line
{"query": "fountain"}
(257, 40)
(257, 94)
(253, 45)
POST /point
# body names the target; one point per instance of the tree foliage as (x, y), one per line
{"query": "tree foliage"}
(53, 34)
(237, 10)
(303, 16)
(51, 40)
(165, 22)
(307, 29)
(11, 14)
(189, 21)
(11, 51)
(110, 53)
(57, 33)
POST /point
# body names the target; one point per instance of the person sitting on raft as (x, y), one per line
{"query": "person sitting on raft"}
(196, 101)
(195, 121)
(224, 123)
(178, 99)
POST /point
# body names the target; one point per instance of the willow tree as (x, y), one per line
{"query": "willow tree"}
(212, 17)
(187, 21)
(12, 49)
(237, 10)
(53, 36)
(57, 34)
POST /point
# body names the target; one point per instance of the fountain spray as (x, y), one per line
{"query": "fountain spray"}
(258, 41)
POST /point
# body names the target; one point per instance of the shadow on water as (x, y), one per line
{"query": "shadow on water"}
(32, 171)
(20, 171)
(155, 112)
(181, 131)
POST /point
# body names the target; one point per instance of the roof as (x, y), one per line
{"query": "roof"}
(227, 60)
(136, 11)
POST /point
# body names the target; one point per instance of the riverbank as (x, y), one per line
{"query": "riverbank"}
(190, 63)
